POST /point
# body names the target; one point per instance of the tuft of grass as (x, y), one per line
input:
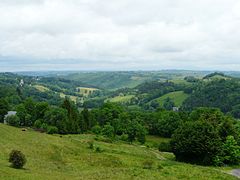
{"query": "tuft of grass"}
(148, 164)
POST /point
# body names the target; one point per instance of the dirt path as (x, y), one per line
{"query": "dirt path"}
(236, 172)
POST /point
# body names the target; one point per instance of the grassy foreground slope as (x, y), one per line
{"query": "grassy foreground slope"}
(53, 157)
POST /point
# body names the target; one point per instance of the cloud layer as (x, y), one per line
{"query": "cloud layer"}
(119, 34)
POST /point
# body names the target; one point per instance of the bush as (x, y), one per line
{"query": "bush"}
(165, 147)
(44, 126)
(13, 120)
(38, 124)
(90, 145)
(231, 151)
(108, 131)
(124, 137)
(52, 130)
(148, 164)
(17, 158)
(96, 129)
(98, 149)
(196, 142)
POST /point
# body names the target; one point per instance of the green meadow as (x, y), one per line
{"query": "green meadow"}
(69, 157)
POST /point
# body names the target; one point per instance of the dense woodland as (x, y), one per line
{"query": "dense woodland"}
(204, 130)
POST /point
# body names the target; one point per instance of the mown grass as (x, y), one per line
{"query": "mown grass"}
(177, 97)
(69, 157)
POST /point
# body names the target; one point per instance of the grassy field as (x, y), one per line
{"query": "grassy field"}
(120, 98)
(73, 98)
(178, 97)
(86, 91)
(41, 88)
(69, 157)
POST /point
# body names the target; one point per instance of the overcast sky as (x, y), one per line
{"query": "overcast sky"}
(119, 34)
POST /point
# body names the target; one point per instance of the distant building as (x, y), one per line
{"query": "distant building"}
(21, 83)
(175, 109)
(10, 113)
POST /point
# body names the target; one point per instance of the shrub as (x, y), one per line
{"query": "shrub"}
(165, 147)
(231, 151)
(98, 149)
(196, 142)
(108, 131)
(37, 124)
(52, 130)
(44, 126)
(17, 158)
(124, 137)
(13, 120)
(96, 129)
(90, 145)
(148, 164)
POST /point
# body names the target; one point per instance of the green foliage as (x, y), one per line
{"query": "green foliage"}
(196, 142)
(44, 126)
(201, 139)
(168, 104)
(165, 147)
(148, 164)
(231, 151)
(108, 131)
(90, 145)
(98, 149)
(72, 124)
(167, 123)
(4, 107)
(52, 130)
(13, 120)
(96, 129)
(223, 94)
(37, 124)
(57, 117)
(136, 130)
(17, 158)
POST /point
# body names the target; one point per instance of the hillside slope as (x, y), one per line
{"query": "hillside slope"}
(68, 157)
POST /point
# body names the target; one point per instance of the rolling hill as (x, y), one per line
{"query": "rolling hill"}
(69, 157)
(177, 97)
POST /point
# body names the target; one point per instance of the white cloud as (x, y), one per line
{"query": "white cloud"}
(120, 34)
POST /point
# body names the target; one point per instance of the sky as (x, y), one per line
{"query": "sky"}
(39, 35)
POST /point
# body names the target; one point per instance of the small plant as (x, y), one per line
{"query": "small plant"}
(90, 145)
(52, 130)
(159, 167)
(98, 149)
(96, 129)
(148, 164)
(17, 158)
(165, 147)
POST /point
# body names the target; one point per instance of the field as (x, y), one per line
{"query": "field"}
(73, 98)
(86, 91)
(41, 88)
(120, 99)
(69, 157)
(178, 97)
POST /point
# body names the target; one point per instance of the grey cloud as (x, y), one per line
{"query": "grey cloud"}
(120, 34)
